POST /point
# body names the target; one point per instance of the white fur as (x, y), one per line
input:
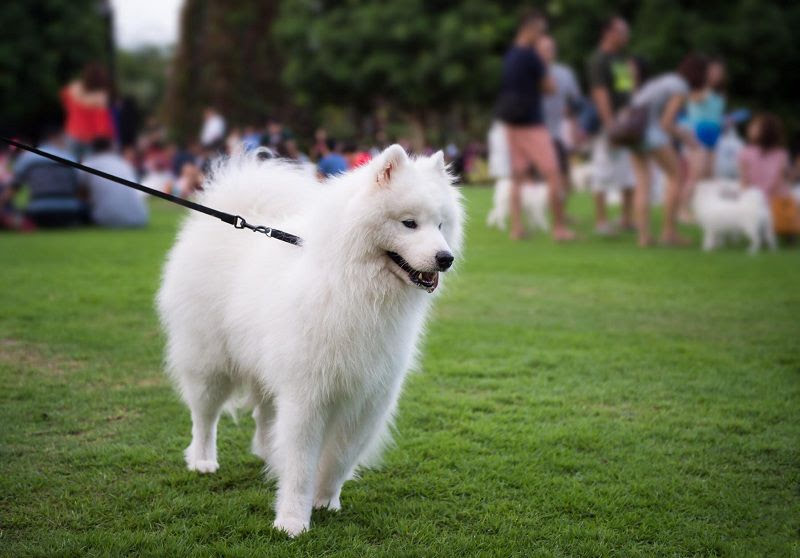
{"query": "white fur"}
(534, 205)
(723, 210)
(580, 174)
(318, 338)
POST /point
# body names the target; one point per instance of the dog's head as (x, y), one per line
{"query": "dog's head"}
(415, 216)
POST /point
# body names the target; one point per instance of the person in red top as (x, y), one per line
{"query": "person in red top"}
(86, 105)
(355, 156)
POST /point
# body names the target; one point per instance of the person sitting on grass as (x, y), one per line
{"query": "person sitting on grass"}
(10, 217)
(111, 204)
(764, 164)
(53, 187)
(332, 161)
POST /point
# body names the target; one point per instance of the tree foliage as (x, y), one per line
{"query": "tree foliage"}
(226, 58)
(142, 75)
(419, 54)
(433, 55)
(427, 60)
(43, 44)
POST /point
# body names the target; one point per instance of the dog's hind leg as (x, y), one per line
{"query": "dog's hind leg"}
(541, 218)
(264, 415)
(708, 240)
(754, 235)
(205, 396)
(769, 235)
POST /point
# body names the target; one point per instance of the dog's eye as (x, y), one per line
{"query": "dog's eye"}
(440, 226)
(410, 223)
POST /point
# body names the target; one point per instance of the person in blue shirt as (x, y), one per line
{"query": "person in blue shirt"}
(705, 116)
(332, 161)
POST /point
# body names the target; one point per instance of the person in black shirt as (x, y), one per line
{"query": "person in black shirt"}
(611, 84)
(519, 107)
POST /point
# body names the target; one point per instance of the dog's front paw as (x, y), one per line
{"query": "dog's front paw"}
(291, 526)
(202, 465)
(332, 504)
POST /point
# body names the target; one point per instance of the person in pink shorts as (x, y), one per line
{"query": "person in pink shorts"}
(519, 107)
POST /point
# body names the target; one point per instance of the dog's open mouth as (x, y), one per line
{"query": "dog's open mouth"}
(427, 280)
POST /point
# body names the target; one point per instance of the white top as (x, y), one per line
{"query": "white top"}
(213, 130)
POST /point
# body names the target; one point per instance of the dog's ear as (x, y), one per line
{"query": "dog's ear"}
(437, 160)
(390, 161)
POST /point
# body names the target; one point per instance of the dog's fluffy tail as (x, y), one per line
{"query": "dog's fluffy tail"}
(249, 184)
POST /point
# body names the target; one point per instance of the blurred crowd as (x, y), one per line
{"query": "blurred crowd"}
(641, 129)
(632, 137)
(36, 192)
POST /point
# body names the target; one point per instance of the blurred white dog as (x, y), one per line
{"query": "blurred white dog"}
(534, 205)
(724, 211)
(580, 175)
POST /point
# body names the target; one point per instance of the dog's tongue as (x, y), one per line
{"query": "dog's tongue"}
(433, 276)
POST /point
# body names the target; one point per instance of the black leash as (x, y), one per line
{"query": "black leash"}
(236, 220)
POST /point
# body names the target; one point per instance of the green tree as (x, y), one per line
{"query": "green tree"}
(429, 58)
(226, 58)
(422, 58)
(756, 38)
(142, 74)
(437, 63)
(43, 44)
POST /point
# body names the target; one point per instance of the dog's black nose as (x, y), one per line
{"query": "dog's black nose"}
(444, 260)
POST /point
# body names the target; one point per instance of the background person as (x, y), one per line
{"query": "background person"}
(664, 96)
(54, 199)
(332, 162)
(556, 106)
(611, 84)
(86, 106)
(519, 107)
(705, 115)
(111, 204)
(212, 134)
(764, 164)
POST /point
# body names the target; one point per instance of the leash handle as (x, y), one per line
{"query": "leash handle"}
(236, 220)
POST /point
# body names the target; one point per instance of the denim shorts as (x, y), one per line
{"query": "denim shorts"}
(655, 137)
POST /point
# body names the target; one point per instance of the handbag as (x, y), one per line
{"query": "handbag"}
(785, 215)
(629, 126)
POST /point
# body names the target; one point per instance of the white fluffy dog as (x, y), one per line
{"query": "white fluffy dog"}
(534, 205)
(318, 338)
(723, 210)
(581, 175)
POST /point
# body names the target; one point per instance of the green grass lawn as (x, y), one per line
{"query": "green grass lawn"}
(591, 399)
